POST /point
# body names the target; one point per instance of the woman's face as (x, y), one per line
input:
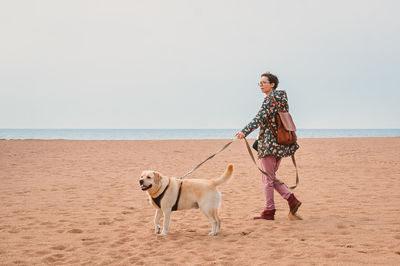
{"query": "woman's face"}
(265, 86)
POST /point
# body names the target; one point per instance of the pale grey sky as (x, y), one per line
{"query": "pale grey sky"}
(196, 64)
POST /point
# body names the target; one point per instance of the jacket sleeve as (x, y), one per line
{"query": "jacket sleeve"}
(256, 122)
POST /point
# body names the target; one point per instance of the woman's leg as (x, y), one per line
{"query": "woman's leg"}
(281, 188)
(268, 164)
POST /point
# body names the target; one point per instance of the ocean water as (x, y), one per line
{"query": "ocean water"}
(164, 134)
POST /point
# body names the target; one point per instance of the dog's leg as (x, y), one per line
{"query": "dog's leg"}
(218, 221)
(157, 218)
(167, 217)
(209, 214)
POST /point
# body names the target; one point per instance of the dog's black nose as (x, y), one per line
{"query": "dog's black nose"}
(141, 182)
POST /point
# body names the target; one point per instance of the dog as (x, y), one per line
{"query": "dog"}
(168, 194)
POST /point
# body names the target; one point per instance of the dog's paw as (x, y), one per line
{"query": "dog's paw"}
(212, 234)
(163, 233)
(157, 229)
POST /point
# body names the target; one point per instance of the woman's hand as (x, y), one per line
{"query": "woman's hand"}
(240, 135)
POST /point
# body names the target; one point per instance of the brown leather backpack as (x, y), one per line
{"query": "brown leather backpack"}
(286, 133)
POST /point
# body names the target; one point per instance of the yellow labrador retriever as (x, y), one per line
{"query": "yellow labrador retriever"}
(168, 194)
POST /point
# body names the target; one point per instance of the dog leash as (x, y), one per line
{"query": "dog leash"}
(210, 157)
(254, 161)
(268, 175)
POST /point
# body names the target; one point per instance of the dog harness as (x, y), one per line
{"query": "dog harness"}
(157, 200)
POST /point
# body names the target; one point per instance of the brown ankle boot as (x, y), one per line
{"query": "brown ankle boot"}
(294, 203)
(266, 215)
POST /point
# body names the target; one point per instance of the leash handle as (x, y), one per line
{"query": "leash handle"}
(268, 175)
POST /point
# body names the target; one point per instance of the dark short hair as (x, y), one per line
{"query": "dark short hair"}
(271, 78)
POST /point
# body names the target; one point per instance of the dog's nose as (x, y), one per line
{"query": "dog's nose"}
(141, 182)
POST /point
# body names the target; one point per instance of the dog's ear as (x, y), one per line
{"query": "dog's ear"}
(157, 177)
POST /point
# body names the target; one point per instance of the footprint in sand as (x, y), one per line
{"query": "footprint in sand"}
(88, 241)
(329, 255)
(54, 258)
(105, 223)
(14, 231)
(43, 252)
(58, 247)
(75, 231)
(340, 226)
(208, 258)
(120, 242)
(279, 254)
(28, 237)
(26, 218)
(229, 252)
(138, 224)
(19, 262)
(134, 259)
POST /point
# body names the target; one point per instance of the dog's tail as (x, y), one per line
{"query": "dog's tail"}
(225, 177)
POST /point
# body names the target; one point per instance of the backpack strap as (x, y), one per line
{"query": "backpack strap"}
(276, 104)
(269, 122)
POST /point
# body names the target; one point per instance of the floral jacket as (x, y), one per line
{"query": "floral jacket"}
(267, 143)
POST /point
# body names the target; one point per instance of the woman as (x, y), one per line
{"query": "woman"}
(269, 151)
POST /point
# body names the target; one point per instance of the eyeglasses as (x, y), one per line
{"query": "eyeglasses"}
(262, 83)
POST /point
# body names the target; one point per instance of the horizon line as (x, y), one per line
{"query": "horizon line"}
(75, 128)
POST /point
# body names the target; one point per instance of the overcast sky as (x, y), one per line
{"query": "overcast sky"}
(196, 64)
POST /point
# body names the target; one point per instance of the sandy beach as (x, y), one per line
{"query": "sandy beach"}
(79, 203)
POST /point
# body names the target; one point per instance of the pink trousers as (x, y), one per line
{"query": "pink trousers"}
(270, 164)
